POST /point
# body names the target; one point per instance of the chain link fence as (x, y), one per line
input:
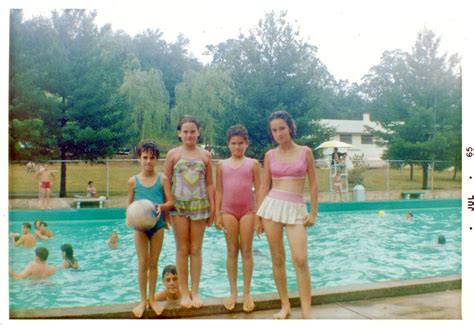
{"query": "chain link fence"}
(110, 176)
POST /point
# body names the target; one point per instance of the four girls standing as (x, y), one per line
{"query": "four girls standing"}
(279, 203)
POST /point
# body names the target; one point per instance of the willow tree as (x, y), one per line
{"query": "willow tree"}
(205, 95)
(149, 102)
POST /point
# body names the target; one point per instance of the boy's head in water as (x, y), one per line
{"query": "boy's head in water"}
(170, 279)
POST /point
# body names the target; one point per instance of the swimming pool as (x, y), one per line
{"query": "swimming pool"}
(345, 248)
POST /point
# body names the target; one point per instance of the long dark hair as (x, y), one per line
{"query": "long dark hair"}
(69, 254)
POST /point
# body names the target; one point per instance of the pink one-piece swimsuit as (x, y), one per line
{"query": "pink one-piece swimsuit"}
(237, 195)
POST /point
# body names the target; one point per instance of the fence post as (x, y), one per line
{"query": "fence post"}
(388, 179)
(107, 168)
(432, 179)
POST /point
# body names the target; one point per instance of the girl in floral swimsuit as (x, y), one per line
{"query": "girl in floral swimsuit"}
(190, 168)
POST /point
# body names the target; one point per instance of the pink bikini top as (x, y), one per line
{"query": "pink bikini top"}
(293, 170)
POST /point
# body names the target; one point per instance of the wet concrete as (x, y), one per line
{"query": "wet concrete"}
(438, 305)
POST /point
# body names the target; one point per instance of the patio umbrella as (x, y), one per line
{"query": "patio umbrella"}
(334, 144)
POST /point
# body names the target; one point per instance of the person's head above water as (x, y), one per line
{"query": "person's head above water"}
(441, 239)
(42, 253)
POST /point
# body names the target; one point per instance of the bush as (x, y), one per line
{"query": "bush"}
(356, 174)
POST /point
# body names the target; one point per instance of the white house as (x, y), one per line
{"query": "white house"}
(355, 132)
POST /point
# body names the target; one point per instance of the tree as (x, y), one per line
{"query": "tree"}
(67, 63)
(205, 95)
(172, 59)
(272, 68)
(416, 97)
(149, 103)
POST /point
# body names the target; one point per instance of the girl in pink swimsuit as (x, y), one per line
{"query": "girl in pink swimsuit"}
(285, 170)
(235, 211)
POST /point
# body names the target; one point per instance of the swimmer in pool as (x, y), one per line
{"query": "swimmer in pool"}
(37, 269)
(27, 239)
(170, 281)
(43, 232)
(70, 261)
(113, 240)
(409, 215)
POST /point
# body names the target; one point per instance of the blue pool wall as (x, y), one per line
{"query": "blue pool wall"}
(119, 213)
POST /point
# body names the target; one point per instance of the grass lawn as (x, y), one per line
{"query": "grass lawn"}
(78, 174)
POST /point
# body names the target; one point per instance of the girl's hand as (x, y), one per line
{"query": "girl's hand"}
(158, 210)
(167, 220)
(309, 220)
(219, 225)
(258, 227)
(210, 220)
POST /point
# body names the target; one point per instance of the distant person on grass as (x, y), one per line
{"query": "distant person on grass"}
(91, 191)
(37, 269)
(26, 239)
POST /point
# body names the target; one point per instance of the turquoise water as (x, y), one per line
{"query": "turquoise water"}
(345, 248)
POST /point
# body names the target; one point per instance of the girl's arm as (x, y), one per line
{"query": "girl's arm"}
(210, 188)
(256, 183)
(256, 176)
(131, 190)
(265, 182)
(168, 204)
(218, 196)
(313, 189)
(169, 163)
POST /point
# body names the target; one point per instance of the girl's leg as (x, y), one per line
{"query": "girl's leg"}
(231, 225)
(197, 234)
(156, 242)
(298, 241)
(246, 238)
(274, 233)
(181, 230)
(141, 246)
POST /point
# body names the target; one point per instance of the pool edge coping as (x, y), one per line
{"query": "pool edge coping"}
(266, 301)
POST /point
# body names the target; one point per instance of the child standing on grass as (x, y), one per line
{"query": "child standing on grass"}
(235, 211)
(156, 188)
(193, 192)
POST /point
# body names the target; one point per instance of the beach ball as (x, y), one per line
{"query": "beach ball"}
(141, 215)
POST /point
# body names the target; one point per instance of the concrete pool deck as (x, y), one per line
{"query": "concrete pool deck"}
(427, 298)
(121, 201)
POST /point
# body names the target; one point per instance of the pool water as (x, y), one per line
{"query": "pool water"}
(345, 248)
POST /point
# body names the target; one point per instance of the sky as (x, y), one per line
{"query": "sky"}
(351, 35)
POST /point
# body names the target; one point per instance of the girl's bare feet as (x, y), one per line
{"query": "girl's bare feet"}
(229, 303)
(139, 310)
(156, 307)
(186, 301)
(197, 303)
(248, 305)
(283, 314)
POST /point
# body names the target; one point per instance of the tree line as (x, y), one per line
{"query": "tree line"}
(78, 91)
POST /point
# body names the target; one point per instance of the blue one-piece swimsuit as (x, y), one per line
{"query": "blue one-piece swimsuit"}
(154, 194)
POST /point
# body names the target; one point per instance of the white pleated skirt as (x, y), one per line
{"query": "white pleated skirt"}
(283, 207)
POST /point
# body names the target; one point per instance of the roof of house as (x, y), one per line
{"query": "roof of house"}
(351, 126)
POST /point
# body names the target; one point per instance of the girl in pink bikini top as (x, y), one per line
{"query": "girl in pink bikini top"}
(294, 170)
